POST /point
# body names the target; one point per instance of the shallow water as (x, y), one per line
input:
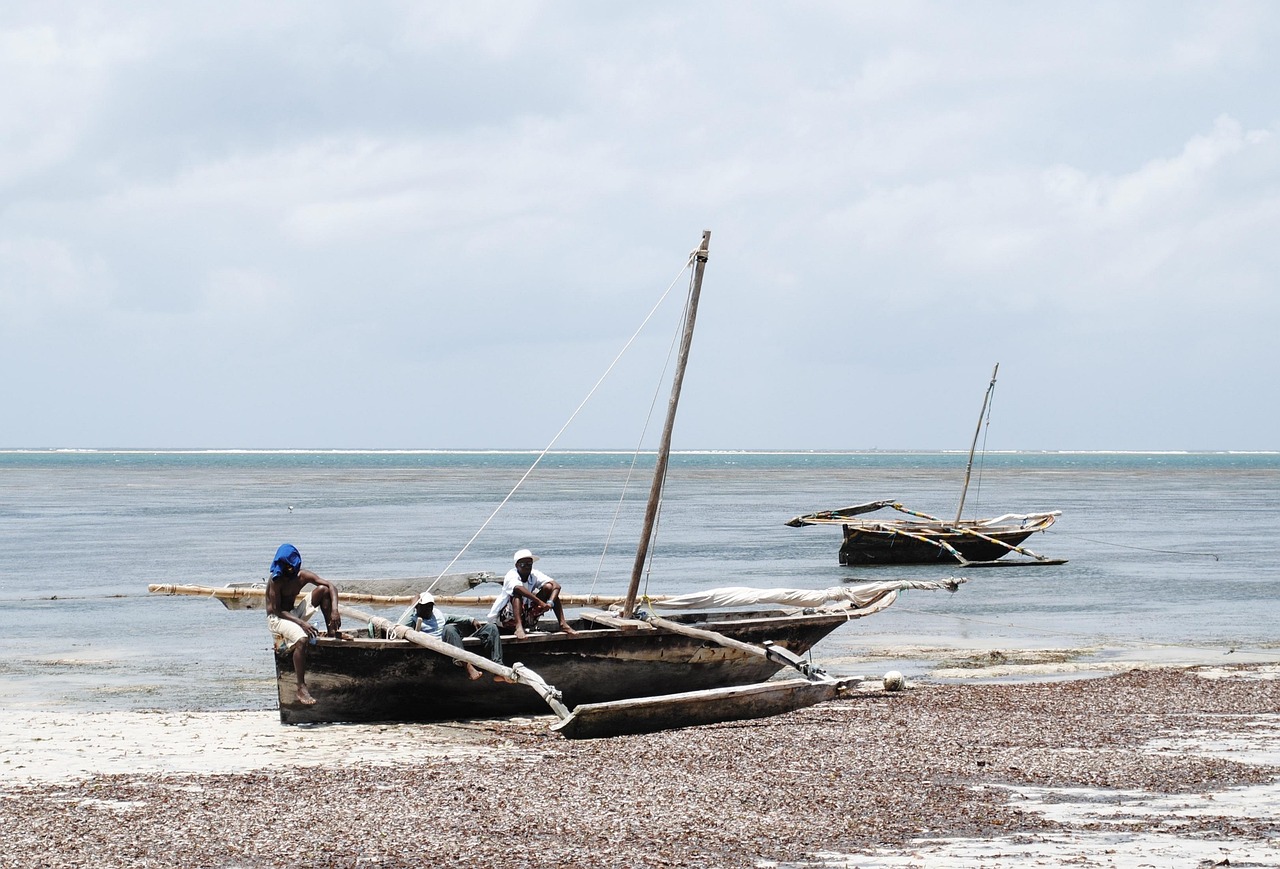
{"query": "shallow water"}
(1170, 555)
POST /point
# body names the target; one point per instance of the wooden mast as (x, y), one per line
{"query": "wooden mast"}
(968, 470)
(664, 449)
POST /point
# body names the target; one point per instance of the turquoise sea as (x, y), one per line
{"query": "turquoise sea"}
(1171, 555)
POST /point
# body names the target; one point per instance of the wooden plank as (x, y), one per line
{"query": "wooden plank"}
(597, 617)
(692, 708)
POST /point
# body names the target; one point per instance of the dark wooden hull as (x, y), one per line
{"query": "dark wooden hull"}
(863, 547)
(363, 680)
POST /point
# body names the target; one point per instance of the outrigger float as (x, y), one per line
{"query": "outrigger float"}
(626, 670)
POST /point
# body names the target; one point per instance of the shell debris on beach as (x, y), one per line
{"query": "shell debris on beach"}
(1169, 767)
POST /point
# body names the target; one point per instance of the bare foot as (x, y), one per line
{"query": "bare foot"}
(565, 627)
(504, 679)
(472, 673)
(304, 696)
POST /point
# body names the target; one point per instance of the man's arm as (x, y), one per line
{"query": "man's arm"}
(523, 591)
(275, 607)
(273, 598)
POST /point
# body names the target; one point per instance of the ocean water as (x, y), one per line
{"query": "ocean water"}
(1170, 555)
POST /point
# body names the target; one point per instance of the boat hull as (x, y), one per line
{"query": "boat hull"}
(863, 547)
(366, 680)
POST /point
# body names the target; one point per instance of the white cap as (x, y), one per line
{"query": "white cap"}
(522, 554)
(425, 598)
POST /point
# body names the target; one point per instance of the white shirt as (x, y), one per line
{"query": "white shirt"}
(509, 582)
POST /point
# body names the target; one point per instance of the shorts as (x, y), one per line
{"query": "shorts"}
(531, 613)
(287, 634)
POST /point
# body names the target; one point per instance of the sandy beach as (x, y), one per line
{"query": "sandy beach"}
(1171, 767)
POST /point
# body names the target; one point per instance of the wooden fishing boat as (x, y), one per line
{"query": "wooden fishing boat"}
(380, 671)
(629, 656)
(366, 679)
(925, 539)
(665, 671)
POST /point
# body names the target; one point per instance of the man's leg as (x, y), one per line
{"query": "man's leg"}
(323, 601)
(517, 608)
(453, 638)
(551, 590)
(300, 670)
(491, 642)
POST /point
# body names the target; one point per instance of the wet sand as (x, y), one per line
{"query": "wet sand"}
(1166, 767)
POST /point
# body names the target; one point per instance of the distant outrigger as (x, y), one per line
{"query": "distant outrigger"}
(927, 539)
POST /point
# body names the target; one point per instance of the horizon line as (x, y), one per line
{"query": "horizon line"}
(596, 451)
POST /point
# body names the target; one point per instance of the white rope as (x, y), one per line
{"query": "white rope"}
(662, 486)
(688, 262)
(635, 456)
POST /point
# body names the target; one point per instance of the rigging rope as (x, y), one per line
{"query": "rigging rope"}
(625, 347)
(662, 486)
(635, 456)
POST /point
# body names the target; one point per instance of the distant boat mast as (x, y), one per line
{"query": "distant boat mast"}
(973, 446)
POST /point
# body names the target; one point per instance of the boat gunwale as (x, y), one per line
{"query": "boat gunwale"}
(736, 620)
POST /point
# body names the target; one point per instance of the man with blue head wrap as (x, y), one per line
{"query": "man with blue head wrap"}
(288, 615)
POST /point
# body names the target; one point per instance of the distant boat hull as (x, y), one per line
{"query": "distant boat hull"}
(365, 679)
(865, 546)
(927, 540)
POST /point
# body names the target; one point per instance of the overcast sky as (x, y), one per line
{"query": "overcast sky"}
(402, 225)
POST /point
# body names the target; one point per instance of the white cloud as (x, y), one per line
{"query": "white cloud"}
(1154, 188)
(42, 282)
(421, 188)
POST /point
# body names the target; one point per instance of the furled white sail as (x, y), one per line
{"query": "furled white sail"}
(859, 596)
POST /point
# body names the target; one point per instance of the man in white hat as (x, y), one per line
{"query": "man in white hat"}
(424, 617)
(527, 594)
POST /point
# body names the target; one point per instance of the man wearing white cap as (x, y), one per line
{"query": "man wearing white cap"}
(424, 617)
(527, 594)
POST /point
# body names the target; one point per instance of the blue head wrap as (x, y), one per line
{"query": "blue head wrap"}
(286, 556)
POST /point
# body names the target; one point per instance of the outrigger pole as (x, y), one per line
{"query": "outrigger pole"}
(664, 449)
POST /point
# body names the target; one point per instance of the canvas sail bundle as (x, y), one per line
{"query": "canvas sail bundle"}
(859, 596)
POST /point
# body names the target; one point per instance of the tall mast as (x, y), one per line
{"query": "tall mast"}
(986, 398)
(664, 449)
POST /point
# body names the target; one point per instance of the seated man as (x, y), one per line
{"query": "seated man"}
(426, 619)
(527, 594)
(289, 617)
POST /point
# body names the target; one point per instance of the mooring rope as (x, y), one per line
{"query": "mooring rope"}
(1136, 548)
